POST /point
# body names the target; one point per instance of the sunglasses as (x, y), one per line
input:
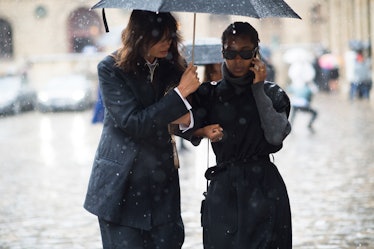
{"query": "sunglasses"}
(244, 54)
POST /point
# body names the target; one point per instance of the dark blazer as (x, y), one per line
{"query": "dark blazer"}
(133, 180)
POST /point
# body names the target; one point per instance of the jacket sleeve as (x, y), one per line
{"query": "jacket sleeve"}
(127, 108)
(188, 135)
(273, 106)
(200, 101)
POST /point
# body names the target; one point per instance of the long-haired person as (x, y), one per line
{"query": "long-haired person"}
(134, 185)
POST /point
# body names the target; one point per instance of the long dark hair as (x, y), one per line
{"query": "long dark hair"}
(240, 29)
(145, 29)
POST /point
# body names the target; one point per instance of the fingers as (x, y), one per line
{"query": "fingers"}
(216, 127)
(216, 139)
(217, 133)
(259, 65)
(191, 68)
(189, 81)
(188, 69)
(259, 69)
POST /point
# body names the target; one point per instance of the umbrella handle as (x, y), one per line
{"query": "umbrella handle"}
(193, 38)
(105, 21)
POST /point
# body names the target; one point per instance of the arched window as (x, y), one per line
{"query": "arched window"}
(83, 28)
(6, 40)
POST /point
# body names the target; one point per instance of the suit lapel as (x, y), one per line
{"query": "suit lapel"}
(142, 88)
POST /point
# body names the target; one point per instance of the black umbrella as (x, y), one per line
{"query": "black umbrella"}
(250, 8)
(206, 50)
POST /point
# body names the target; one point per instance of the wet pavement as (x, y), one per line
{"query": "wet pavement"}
(46, 161)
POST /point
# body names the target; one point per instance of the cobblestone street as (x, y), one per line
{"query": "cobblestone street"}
(46, 162)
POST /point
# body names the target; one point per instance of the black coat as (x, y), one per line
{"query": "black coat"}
(246, 204)
(133, 180)
(238, 115)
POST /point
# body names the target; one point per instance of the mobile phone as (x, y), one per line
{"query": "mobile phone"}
(251, 73)
(258, 54)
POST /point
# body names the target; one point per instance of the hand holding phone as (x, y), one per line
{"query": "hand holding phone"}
(258, 68)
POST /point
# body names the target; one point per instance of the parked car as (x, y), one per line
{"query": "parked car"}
(66, 93)
(16, 96)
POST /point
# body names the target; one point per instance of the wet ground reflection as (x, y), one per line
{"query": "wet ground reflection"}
(46, 161)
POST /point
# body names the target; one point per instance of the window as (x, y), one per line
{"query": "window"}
(6, 40)
(84, 28)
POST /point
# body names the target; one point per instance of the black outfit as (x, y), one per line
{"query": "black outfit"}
(246, 205)
(165, 236)
(321, 77)
(134, 183)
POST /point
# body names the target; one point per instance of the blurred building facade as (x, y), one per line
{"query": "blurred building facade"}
(47, 37)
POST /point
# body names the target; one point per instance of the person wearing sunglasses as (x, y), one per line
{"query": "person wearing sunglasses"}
(246, 204)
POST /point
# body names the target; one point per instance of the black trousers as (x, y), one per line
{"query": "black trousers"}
(166, 236)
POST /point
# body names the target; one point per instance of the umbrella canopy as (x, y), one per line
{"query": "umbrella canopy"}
(207, 51)
(251, 8)
(328, 61)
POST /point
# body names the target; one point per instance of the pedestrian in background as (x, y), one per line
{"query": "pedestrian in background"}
(301, 90)
(98, 110)
(329, 70)
(246, 203)
(134, 184)
(362, 82)
(349, 60)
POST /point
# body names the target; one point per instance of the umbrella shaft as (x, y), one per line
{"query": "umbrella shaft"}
(193, 38)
